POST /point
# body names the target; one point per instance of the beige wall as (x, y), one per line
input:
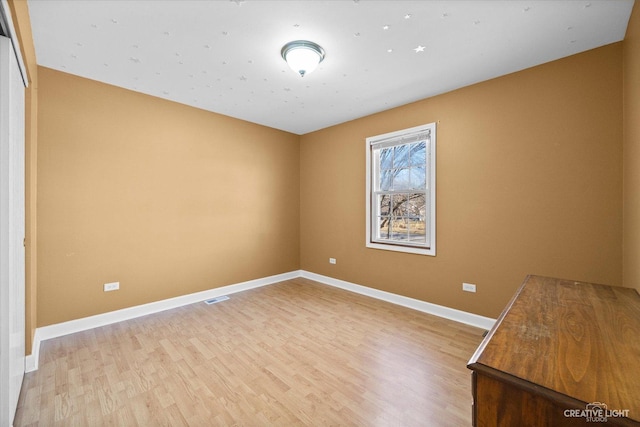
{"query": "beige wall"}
(529, 180)
(631, 149)
(164, 198)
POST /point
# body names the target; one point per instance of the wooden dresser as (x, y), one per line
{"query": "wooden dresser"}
(559, 352)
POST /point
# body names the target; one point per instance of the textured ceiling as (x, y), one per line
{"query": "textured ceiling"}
(224, 56)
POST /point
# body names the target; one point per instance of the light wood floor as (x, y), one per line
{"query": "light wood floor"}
(293, 353)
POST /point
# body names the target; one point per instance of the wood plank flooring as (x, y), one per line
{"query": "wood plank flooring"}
(293, 353)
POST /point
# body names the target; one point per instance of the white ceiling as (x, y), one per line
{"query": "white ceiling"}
(224, 56)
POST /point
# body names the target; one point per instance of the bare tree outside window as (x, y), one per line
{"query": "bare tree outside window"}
(402, 204)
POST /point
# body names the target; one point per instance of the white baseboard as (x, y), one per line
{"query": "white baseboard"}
(426, 307)
(57, 330)
(53, 331)
(31, 360)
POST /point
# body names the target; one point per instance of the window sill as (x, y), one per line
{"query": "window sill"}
(406, 249)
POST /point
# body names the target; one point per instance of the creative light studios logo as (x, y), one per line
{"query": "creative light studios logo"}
(596, 412)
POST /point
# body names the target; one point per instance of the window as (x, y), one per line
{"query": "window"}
(401, 194)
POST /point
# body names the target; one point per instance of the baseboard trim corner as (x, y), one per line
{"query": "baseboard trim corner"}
(415, 304)
(31, 360)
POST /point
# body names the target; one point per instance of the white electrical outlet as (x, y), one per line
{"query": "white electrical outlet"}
(332, 260)
(113, 286)
(468, 287)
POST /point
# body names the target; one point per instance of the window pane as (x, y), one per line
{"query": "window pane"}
(401, 156)
(401, 179)
(418, 177)
(417, 206)
(417, 230)
(384, 228)
(386, 179)
(399, 229)
(417, 219)
(386, 158)
(399, 205)
(384, 203)
(419, 153)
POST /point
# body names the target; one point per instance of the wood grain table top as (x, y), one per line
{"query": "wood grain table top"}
(577, 339)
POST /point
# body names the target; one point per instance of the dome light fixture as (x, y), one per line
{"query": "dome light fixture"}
(302, 56)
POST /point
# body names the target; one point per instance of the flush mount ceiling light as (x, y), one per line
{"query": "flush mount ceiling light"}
(302, 56)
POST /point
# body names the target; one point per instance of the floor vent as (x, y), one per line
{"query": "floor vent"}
(216, 299)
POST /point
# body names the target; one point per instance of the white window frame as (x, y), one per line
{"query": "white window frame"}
(372, 173)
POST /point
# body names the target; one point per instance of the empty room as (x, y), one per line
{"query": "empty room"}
(348, 212)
